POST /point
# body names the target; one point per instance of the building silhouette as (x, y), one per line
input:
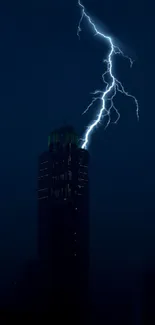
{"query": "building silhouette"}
(63, 208)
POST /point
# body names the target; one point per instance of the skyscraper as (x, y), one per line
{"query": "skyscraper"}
(63, 196)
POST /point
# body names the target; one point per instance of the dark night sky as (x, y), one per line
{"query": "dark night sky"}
(46, 76)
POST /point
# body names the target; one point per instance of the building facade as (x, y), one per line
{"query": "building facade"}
(63, 203)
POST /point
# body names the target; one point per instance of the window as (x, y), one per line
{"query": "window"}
(42, 198)
(44, 162)
(84, 166)
(69, 160)
(41, 177)
(62, 176)
(69, 190)
(83, 173)
(80, 186)
(70, 175)
(82, 179)
(43, 189)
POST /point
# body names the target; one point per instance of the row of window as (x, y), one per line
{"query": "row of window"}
(84, 166)
(62, 192)
(42, 176)
(66, 192)
(84, 173)
(42, 189)
(65, 176)
(43, 198)
(80, 179)
(44, 162)
(60, 162)
(43, 169)
(69, 162)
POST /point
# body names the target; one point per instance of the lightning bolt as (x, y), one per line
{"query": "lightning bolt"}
(111, 88)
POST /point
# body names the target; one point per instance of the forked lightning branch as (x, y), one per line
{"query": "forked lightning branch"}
(106, 96)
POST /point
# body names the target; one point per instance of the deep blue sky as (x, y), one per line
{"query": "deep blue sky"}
(46, 75)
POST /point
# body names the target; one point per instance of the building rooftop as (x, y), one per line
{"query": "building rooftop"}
(65, 134)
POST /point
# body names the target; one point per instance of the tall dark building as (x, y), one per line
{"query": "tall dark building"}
(63, 196)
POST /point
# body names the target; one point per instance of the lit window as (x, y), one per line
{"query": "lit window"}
(42, 189)
(82, 179)
(84, 166)
(42, 198)
(44, 162)
(40, 177)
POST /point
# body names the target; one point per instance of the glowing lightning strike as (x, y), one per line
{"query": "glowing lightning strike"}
(111, 88)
